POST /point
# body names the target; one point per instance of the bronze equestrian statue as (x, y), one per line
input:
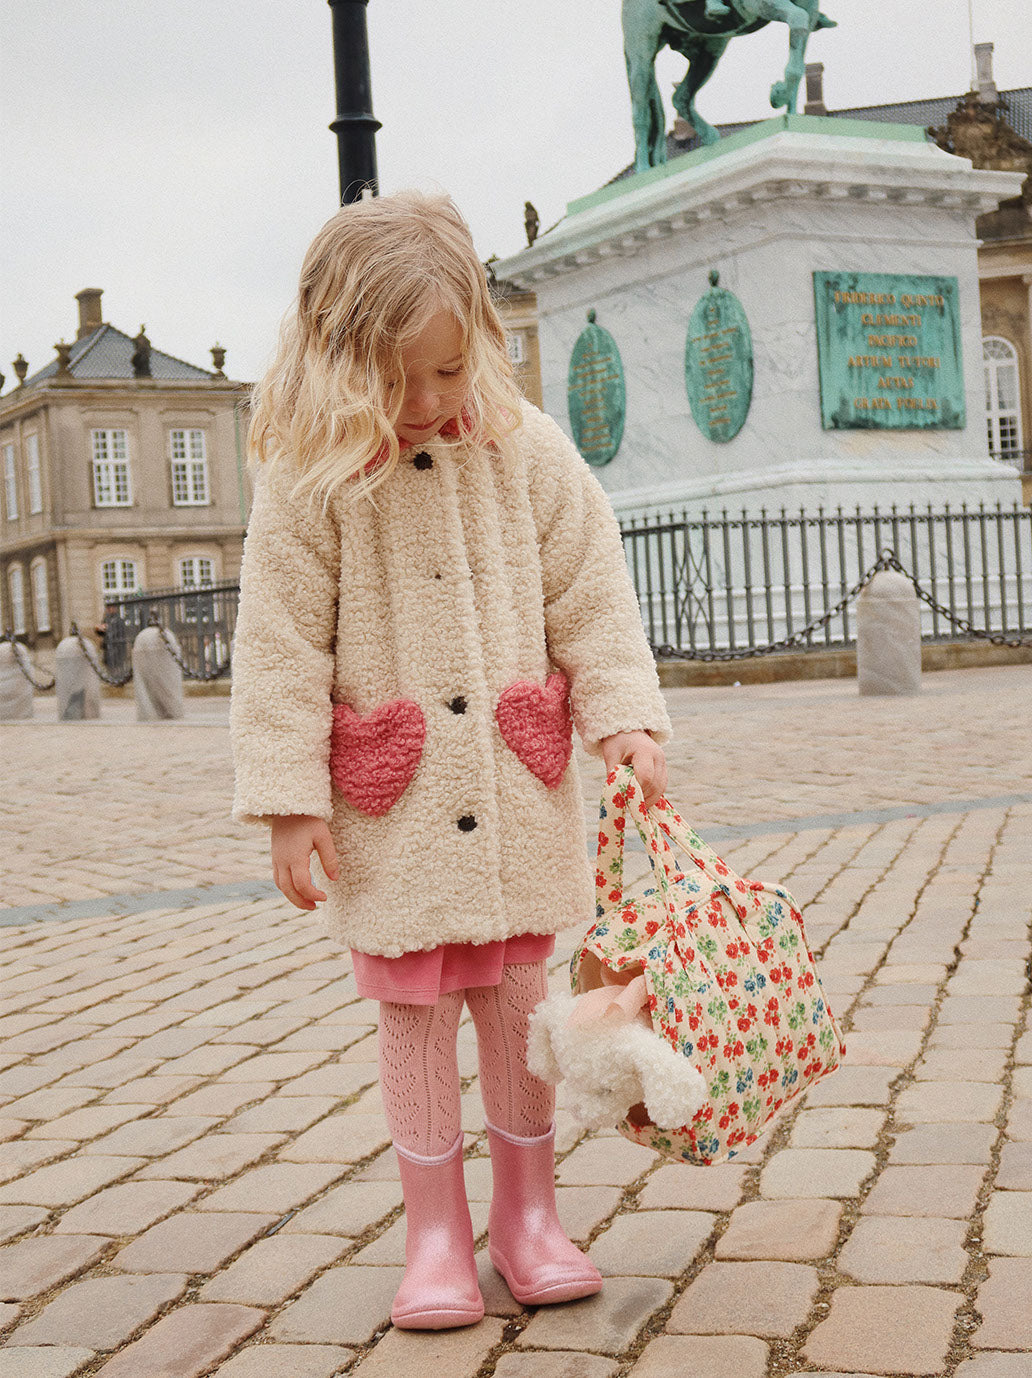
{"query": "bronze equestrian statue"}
(700, 30)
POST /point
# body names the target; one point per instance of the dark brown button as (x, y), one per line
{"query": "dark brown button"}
(467, 823)
(423, 461)
(458, 704)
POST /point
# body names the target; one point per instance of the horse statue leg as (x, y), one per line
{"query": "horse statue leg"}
(801, 18)
(641, 28)
(703, 54)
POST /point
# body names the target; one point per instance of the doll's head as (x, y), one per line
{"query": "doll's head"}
(394, 325)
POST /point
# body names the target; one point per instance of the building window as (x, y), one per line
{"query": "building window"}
(10, 483)
(16, 586)
(1002, 409)
(40, 595)
(189, 468)
(35, 481)
(111, 486)
(196, 572)
(516, 343)
(118, 578)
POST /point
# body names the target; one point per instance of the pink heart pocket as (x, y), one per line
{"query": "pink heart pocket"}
(537, 726)
(374, 757)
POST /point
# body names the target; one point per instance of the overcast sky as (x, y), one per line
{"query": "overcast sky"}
(176, 152)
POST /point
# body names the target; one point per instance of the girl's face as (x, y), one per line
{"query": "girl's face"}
(434, 379)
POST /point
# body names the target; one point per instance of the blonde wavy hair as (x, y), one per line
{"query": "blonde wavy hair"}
(375, 274)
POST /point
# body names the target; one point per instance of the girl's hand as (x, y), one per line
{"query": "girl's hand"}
(294, 838)
(640, 751)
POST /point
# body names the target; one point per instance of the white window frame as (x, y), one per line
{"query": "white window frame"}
(33, 473)
(112, 476)
(114, 581)
(38, 579)
(191, 572)
(16, 589)
(11, 483)
(1003, 423)
(188, 456)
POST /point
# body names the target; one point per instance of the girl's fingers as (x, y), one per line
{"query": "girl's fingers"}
(327, 854)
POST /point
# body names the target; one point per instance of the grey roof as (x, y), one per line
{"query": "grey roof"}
(1016, 106)
(107, 353)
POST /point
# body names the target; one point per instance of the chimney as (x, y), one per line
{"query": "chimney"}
(90, 318)
(985, 87)
(815, 89)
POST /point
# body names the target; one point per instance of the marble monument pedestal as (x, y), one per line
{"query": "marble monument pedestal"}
(768, 208)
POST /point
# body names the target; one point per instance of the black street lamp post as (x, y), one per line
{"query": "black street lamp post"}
(355, 125)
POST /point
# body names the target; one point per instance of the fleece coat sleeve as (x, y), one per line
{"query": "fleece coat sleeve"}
(592, 621)
(283, 657)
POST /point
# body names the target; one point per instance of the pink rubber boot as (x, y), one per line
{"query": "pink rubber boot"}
(440, 1288)
(526, 1242)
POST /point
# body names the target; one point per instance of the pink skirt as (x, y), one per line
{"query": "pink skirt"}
(421, 978)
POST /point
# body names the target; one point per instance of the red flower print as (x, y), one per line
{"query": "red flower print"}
(619, 801)
(614, 895)
(619, 824)
(603, 841)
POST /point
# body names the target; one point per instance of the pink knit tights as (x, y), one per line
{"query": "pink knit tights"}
(419, 1076)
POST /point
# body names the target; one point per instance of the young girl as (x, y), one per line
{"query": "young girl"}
(433, 593)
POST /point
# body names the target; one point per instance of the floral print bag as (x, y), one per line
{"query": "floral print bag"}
(730, 980)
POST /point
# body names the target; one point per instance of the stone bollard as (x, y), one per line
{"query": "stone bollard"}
(888, 636)
(77, 684)
(157, 679)
(16, 699)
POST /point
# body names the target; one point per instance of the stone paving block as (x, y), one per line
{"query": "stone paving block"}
(941, 1142)
(996, 1366)
(1003, 1303)
(605, 1162)
(498, 1300)
(895, 1048)
(651, 1243)
(185, 1343)
(764, 1299)
(345, 1306)
(214, 1157)
(344, 1138)
(701, 1356)
(30, 1361)
(606, 1323)
(126, 1209)
(15, 1220)
(273, 1187)
(950, 1190)
(926, 1102)
(852, 1086)
(886, 1249)
(1008, 1223)
(191, 1242)
(457, 1353)
(1001, 977)
(273, 1067)
(1015, 1173)
(810, 1172)
(292, 1113)
(232, 1061)
(272, 1269)
(9, 1313)
(926, 975)
(86, 1123)
(1023, 1051)
(64, 1183)
(837, 1127)
(899, 1330)
(582, 1208)
(155, 1090)
(962, 1064)
(222, 1098)
(23, 1155)
(48, 1104)
(1019, 1121)
(979, 1009)
(1021, 1083)
(555, 1365)
(681, 1187)
(31, 1266)
(153, 1137)
(971, 1036)
(789, 1231)
(348, 1209)
(889, 1019)
(12, 1129)
(101, 1312)
(286, 1361)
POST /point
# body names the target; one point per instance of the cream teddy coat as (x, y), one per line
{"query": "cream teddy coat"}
(400, 670)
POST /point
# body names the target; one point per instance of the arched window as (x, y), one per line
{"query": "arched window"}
(16, 588)
(40, 594)
(1002, 405)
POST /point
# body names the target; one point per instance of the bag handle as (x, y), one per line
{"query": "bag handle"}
(658, 827)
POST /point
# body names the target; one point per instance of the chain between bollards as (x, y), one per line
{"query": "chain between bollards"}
(25, 665)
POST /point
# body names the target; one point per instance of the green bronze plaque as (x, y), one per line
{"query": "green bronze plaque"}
(888, 350)
(596, 394)
(718, 363)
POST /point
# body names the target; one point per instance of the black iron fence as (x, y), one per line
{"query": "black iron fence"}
(716, 587)
(202, 620)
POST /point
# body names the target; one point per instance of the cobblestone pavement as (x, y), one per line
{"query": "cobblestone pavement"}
(196, 1174)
